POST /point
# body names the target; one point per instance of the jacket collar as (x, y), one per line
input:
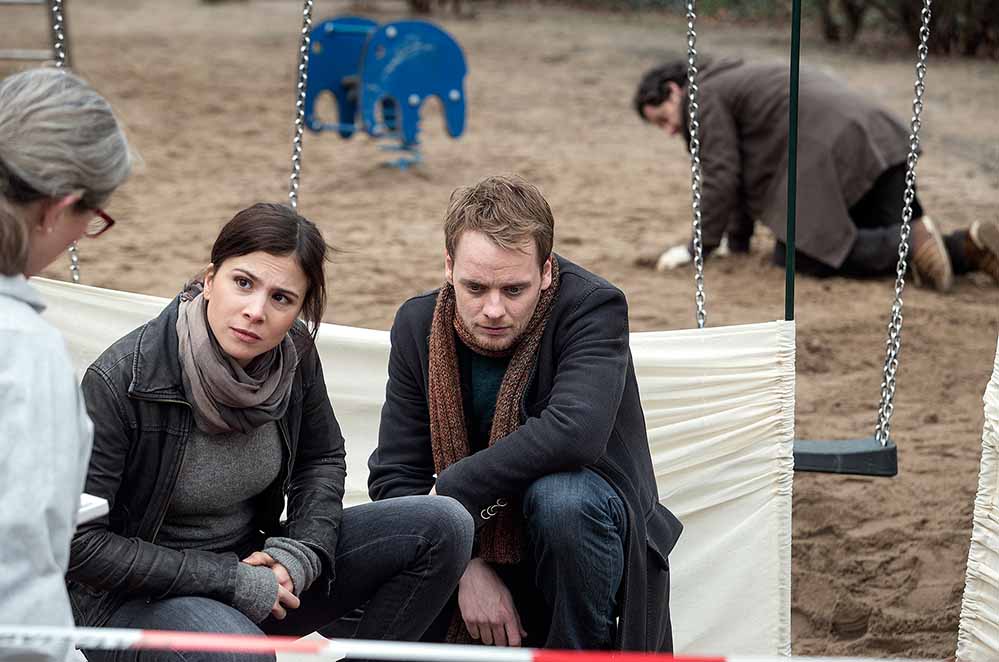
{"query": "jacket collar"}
(17, 288)
(156, 371)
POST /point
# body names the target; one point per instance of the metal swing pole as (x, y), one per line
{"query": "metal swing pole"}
(695, 161)
(792, 161)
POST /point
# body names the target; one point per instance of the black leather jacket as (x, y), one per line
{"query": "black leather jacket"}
(142, 423)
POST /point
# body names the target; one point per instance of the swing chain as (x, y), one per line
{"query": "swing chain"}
(58, 34)
(58, 22)
(894, 343)
(74, 262)
(303, 75)
(695, 163)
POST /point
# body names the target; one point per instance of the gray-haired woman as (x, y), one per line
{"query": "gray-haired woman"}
(62, 154)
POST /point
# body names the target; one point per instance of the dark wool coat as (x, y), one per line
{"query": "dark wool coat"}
(142, 423)
(582, 409)
(845, 143)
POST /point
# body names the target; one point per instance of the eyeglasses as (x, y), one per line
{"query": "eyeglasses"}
(99, 224)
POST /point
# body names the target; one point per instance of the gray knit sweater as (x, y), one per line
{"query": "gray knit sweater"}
(212, 509)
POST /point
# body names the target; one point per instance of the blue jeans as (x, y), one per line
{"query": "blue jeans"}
(401, 557)
(576, 527)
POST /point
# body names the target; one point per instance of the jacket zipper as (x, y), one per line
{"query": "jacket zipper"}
(287, 481)
(291, 459)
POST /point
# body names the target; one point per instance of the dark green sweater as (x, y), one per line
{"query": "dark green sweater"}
(481, 377)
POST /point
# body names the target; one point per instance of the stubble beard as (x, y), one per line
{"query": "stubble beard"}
(499, 344)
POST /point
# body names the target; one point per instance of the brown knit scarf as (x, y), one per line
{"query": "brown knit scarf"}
(502, 540)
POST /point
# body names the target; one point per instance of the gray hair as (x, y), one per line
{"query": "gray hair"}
(58, 136)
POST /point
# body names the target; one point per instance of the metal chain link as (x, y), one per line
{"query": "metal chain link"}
(894, 343)
(303, 76)
(58, 33)
(74, 262)
(59, 50)
(695, 163)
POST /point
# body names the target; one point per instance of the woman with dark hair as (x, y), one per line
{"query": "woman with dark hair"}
(62, 154)
(207, 419)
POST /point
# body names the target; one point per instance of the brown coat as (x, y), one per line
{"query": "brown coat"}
(844, 143)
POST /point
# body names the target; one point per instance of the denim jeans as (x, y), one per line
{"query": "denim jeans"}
(402, 557)
(566, 588)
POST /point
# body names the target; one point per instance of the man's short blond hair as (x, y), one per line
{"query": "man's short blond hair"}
(508, 209)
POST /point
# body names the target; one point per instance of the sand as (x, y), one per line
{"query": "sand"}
(207, 94)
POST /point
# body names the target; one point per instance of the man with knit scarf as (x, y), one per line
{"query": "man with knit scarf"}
(512, 390)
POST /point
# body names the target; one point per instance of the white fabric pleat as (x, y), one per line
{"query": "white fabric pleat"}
(719, 406)
(978, 633)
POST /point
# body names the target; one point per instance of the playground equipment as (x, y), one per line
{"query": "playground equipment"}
(875, 455)
(59, 53)
(380, 76)
(59, 50)
(721, 446)
(869, 456)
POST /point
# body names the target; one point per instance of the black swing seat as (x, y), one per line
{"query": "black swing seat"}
(862, 457)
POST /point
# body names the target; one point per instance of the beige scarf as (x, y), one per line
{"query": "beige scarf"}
(225, 396)
(502, 541)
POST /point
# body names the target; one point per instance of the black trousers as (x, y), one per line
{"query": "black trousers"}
(878, 217)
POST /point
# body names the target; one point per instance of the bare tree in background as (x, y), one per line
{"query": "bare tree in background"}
(842, 19)
(959, 27)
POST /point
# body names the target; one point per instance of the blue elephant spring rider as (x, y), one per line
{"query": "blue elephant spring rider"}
(380, 76)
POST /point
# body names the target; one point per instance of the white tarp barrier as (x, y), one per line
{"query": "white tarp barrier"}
(978, 634)
(719, 405)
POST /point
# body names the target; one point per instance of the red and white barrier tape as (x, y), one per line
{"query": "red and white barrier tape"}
(12, 637)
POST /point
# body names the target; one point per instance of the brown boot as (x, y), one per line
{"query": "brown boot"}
(983, 248)
(931, 265)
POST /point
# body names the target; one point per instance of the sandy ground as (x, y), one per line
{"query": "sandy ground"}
(207, 93)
